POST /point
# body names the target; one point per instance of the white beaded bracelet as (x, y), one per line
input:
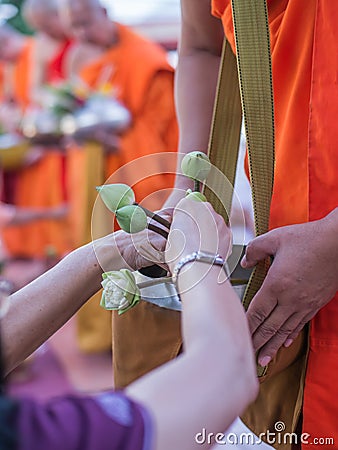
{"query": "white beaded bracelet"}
(200, 256)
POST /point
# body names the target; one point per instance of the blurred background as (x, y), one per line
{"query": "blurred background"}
(68, 120)
(63, 364)
(156, 19)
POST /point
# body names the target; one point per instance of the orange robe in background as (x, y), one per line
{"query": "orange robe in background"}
(141, 78)
(41, 185)
(304, 43)
(20, 88)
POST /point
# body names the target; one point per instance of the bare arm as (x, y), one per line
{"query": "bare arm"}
(21, 216)
(211, 383)
(42, 307)
(196, 77)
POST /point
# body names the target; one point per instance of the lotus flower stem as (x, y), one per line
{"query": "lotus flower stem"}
(197, 186)
(158, 230)
(155, 216)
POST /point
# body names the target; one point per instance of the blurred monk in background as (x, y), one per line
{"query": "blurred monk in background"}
(136, 72)
(39, 183)
(16, 53)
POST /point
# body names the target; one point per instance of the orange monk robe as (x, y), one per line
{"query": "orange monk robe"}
(143, 81)
(40, 185)
(18, 86)
(304, 43)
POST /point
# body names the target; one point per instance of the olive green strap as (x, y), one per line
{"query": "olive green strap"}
(225, 134)
(256, 96)
(252, 38)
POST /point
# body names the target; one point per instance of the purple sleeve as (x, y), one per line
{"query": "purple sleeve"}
(108, 421)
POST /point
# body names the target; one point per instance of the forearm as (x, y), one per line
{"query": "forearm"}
(196, 75)
(215, 372)
(43, 306)
(195, 87)
(25, 215)
(196, 79)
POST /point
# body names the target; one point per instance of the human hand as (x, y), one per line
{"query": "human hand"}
(132, 251)
(301, 280)
(102, 134)
(196, 226)
(57, 212)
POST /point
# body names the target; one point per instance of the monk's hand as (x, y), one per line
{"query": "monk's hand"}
(109, 140)
(102, 134)
(301, 280)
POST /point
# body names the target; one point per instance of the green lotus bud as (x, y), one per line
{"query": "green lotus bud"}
(196, 196)
(196, 165)
(116, 196)
(120, 291)
(131, 218)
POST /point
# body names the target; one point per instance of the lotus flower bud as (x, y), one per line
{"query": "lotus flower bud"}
(131, 218)
(116, 196)
(196, 165)
(120, 291)
(196, 196)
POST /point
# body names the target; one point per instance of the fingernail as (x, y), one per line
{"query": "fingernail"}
(243, 263)
(264, 361)
(288, 342)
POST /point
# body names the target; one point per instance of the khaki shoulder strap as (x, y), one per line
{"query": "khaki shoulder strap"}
(256, 97)
(225, 132)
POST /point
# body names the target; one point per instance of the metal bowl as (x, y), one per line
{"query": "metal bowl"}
(43, 122)
(97, 111)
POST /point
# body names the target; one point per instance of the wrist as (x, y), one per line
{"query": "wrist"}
(177, 194)
(108, 251)
(330, 231)
(195, 274)
(195, 266)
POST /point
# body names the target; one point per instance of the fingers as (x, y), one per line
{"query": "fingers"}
(260, 309)
(285, 334)
(150, 253)
(292, 336)
(279, 335)
(166, 213)
(260, 248)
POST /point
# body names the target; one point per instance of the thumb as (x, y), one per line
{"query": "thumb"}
(259, 249)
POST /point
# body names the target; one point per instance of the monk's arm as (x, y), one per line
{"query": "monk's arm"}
(196, 77)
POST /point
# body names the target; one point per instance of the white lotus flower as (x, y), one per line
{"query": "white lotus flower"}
(120, 291)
